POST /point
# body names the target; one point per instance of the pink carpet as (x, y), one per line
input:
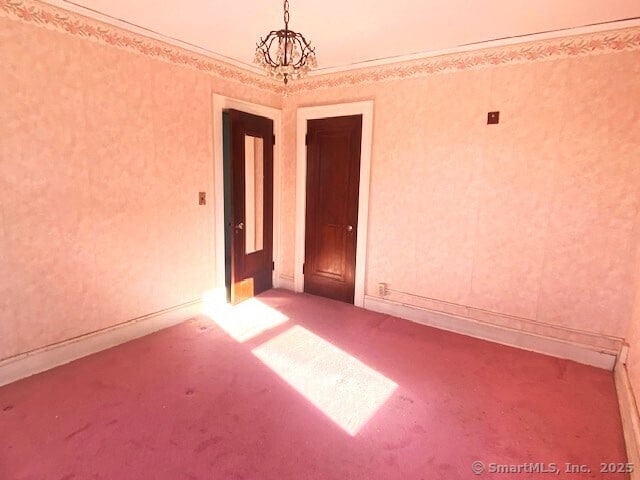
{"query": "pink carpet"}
(329, 391)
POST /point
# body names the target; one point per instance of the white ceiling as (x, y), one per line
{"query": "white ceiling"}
(347, 32)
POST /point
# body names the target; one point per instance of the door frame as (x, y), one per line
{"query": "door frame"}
(220, 103)
(365, 109)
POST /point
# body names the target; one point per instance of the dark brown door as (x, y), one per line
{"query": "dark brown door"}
(250, 213)
(333, 177)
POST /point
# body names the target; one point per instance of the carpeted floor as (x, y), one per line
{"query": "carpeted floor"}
(299, 387)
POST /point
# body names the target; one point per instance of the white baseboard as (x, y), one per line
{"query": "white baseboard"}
(27, 364)
(495, 333)
(286, 283)
(629, 416)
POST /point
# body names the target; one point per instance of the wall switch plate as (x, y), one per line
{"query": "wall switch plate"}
(493, 118)
(382, 289)
(202, 198)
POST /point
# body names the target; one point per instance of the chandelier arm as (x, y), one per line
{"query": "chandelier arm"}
(303, 54)
(307, 44)
(285, 62)
(271, 61)
(305, 51)
(264, 40)
(265, 53)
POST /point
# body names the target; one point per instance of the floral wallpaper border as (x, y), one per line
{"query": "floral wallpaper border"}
(33, 11)
(581, 45)
(30, 11)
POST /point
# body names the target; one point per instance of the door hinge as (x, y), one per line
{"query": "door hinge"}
(306, 139)
(273, 266)
(303, 268)
(274, 138)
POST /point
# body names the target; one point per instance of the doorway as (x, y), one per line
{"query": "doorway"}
(248, 142)
(333, 174)
(305, 116)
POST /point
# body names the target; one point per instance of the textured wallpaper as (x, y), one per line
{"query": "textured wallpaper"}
(107, 139)
(535, 218)
(102, 155)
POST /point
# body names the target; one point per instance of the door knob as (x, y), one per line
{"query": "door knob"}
(240, 226)
(349, 228)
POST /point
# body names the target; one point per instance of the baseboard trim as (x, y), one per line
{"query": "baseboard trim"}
(27, 364)
(595, 341)
(496, 333)
(286, 283)
(629, 416)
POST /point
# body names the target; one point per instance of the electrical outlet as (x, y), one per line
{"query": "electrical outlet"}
(493, 118)
(382, 289)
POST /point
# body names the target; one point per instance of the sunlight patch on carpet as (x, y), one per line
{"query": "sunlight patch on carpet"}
(245, 320)
(341, 386)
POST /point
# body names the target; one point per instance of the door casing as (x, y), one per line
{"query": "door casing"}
(247, 273)
(217, 248)
(332, 206)
(365, 109)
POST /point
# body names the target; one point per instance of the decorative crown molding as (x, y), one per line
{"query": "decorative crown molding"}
(58, 19)
(613, 41)
(54, 18)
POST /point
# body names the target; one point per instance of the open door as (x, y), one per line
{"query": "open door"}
(248, 172)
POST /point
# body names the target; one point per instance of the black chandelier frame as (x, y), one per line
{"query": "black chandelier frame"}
(297, 54)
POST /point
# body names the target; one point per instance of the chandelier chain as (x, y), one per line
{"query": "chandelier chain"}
(286, 14)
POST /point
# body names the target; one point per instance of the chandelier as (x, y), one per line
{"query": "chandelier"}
(285, 54)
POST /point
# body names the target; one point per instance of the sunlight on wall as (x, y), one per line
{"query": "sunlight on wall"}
(245, 320)
(342, 387)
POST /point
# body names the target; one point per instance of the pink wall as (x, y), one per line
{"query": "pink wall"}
(531, 223)
(103, 153)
